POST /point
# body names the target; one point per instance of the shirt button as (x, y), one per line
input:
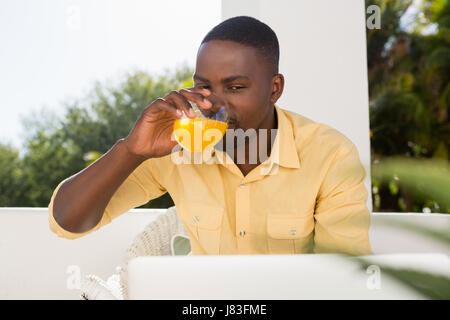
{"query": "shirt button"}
(242, 233)
(196, 219)
(293, 232)
(242, 185)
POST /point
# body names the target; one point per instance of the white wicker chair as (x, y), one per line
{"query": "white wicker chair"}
(154, 240)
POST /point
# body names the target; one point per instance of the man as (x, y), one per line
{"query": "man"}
(308, 196)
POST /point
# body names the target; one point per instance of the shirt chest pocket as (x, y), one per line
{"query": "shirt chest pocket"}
(204, 224)
(289, 233)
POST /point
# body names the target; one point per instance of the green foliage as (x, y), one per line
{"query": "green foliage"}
(12, 177)
(50, 158)
(393, 129)
(409, 93)
(58, 147)
(427, 180)
(430, 286)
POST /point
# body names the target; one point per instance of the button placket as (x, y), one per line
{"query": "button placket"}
(242, 214)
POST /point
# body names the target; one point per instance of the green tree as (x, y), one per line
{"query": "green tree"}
(12, 177)
(408, 70)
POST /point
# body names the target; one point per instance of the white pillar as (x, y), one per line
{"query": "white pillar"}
(323, 59)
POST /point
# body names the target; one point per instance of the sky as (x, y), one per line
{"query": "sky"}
(52, 51)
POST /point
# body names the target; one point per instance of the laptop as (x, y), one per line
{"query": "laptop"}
(275, 277)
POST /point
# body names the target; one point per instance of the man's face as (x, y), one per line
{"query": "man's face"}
(239, 77)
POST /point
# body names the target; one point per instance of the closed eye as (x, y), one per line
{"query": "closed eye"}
(232, 88)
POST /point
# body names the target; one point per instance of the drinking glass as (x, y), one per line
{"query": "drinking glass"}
(203, 131)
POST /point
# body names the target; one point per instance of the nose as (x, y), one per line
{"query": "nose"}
(219, 109)
(217, 102)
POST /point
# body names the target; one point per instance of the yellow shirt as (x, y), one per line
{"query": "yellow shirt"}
(307, 197)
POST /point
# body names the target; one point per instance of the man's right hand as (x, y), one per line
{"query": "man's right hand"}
(151, 134)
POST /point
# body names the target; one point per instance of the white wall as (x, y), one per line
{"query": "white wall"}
(323, 59)
(34, 261)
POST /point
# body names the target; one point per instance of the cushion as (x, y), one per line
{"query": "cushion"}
(180, 245)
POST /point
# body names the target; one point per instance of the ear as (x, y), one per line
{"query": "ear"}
(277, 87)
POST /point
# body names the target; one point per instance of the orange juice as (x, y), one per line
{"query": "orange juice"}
(197, 134)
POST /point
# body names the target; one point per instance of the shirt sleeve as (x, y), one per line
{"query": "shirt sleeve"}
(342, 219)
(141, 186)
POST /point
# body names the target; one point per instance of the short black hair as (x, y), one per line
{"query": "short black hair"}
(250, 32)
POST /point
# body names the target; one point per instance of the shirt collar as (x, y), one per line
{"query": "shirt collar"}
(284, 151)
(287, 155)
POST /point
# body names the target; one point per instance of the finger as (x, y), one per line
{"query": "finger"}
(205, 92)
(196, 97)
(215, 101)
(180, 102)
(163, 104)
